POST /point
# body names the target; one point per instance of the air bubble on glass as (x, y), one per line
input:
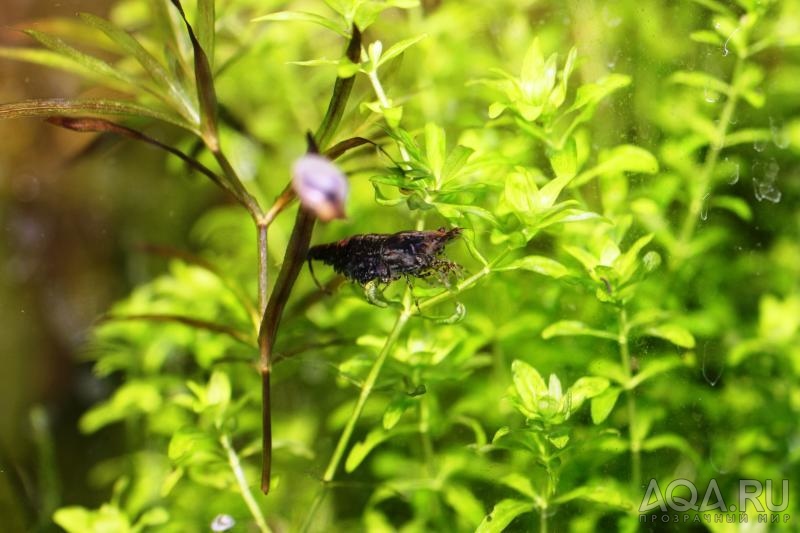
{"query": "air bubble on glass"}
(611, 19)
(765, 176)
(709, 379)
(711, 96)
(704, 207)
(779, 136)
(759, 146)
(734, 177)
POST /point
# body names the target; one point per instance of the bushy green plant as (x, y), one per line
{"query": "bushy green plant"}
(603, 218)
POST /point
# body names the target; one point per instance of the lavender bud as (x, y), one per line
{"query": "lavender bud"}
(320, 185)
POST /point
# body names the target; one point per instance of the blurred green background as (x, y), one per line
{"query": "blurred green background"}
(75, 210)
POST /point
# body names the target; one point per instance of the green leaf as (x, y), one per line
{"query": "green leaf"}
(374, 438)
(565, 161)
(191, 446)
(204, 82)
(671, 440)
(624, 158)
(302, 16)
(608, 369)
(603, 404)
(395, 410)
(533, 71)
(529, 386)
(455, 162)
(177, 96)
(571, 328)
(81, 520)
(734, 204)
(98, 66)
(626, 263)
(521, 190)
(654, 368)
(133, 398)
(206, 20)
(700, 80)
(539, 264)
(673, 333)
(466, 505)
(607, 495)
(52, 59)
(219, 389)
(507, 439)
(586, 259)
(400, 47)
(592, 93)
(152, 517)
(585, 388)
(707, 37)
(549, 192)
(747, 136)
(521, 484)
(46, 108)
(503, 513)
(435, 149)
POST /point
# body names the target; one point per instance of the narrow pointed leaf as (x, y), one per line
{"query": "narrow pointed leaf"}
(59, 106)
(206, 19)
(204, 80)
(151, 65)
(303, 16)
(94, 64)
(400, 47)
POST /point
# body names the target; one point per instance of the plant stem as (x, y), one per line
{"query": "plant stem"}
(241, 480)
(294, 259)
(462, 286)
(383, 100)
(347, 433)
(635, 445)
(261, 228)
(366, 389)
(704, 181)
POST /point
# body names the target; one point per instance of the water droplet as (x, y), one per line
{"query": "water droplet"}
(704, 207)
(734, 175)
(710, 380)
(765, 176)
(611, 63)
(759, 146)
(710, 96)
(779, 136)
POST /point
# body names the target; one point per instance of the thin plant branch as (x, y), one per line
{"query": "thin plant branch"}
(294, 260)
(196, 323)
(244, 488)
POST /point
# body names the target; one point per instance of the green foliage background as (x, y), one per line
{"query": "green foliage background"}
(626, 175)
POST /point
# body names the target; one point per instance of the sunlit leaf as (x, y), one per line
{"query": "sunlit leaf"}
(502, 514)
(603, 404)
(674, 333)
(570, 328)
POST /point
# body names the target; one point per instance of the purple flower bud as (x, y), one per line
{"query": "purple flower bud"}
(222, 522)
(320, 185)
